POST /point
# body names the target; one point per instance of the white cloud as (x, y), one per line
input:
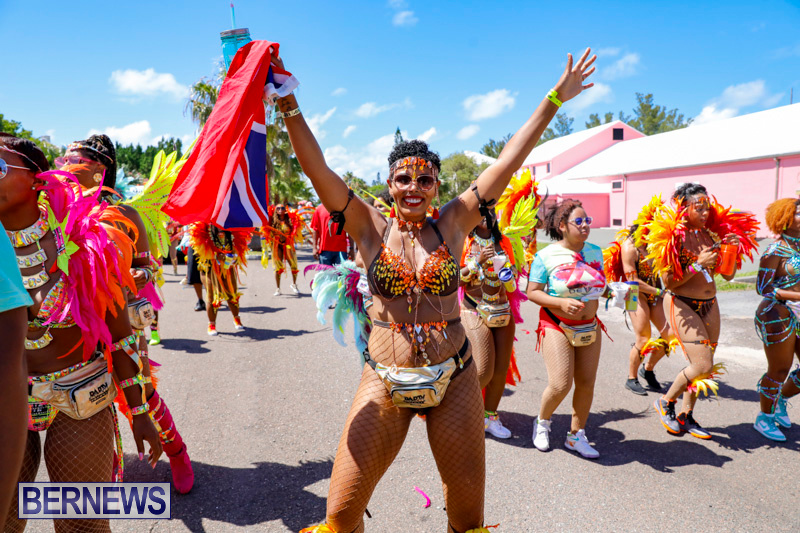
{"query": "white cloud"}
(489, 105)
(736, 97)
(711, 113)
(404, 18)
(397, 4)
(315, 122)
(341, 91)
(467, 131)
(427, 134)
(607, 52)
(599, 93)
(348, 130)
(133, 133)
(364, 162)
(622, 67)
(147, 83)
(371, 109)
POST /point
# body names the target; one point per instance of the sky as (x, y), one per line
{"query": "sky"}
(454, 73)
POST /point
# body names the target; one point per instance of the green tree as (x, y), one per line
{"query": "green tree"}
(651, 119)
(15, 128)
(398, 137)
(458, 171)
(493, 148)
(353, 181)
(594, 119)
(561, 127)
(203, 97)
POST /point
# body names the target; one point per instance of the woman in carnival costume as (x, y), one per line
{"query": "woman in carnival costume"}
(93, 163)
(75, 263)
(566, 280)
(777, 322)
(221, 256)
(419, 353)
(683, 243)
(279, 237)
(489, 295)
(626, 260)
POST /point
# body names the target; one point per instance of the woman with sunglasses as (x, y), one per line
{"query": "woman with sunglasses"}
(75, 264)
(93, 162)
(417, 336)
(566, 280)
(488, 279)
(684, 244)
(284, 229)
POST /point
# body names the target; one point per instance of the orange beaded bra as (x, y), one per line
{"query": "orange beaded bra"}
(390, 276)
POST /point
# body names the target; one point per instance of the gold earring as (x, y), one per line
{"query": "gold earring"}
(97, 177)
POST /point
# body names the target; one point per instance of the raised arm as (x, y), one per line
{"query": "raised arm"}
(331, 189)
(494, 179)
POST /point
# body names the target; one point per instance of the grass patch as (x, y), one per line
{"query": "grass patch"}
(726, 286)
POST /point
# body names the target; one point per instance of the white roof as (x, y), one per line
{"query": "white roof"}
(559, 185)
(770, 133)
(479, 158)
(547, 151)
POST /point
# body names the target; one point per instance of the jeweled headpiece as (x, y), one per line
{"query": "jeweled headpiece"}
(414, 163)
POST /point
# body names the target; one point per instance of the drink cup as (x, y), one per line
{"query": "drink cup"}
(727, 259)
(499, 261)
(232, 40)
(632, 298)
(507, 277)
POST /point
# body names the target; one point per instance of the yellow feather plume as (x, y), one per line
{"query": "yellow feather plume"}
(647, 214)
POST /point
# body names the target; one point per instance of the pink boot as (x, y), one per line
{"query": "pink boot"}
(171, 441)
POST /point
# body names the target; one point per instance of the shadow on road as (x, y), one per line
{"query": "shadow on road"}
(185, 345)
(745, 395)
(243, 496)
(257, 334)
(260, 310)
(742, 437)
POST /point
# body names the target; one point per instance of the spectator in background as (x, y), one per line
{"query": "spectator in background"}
(329, 248)
(14, 300)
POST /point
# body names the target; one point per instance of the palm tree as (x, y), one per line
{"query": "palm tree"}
(201, 101)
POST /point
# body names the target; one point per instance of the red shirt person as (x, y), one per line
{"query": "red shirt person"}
(329, 247)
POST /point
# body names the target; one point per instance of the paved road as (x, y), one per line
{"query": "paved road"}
(262, 411)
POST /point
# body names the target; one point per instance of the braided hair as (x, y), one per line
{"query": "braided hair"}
(101, 150)
(34, 159)
(557, 214)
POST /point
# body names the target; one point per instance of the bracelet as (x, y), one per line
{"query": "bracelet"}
(139, 410)
(122, 344)
(695, 268)
(138, 379)
(289, 114)
(659, 292)
(553, 97)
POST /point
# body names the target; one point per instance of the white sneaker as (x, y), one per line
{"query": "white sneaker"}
(492, 424)
(295, 289)
(579, 443)
(541, 434)
(277, 292)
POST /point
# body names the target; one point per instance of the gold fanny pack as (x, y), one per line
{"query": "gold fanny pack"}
(420, 387)
(141, 313)
(582, 335)
(493, 315)
(81, 393)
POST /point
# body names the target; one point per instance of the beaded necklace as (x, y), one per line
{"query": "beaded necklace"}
(483, 243)
(791, 240)
(26, 237)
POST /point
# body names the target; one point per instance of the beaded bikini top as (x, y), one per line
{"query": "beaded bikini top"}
(390, 276)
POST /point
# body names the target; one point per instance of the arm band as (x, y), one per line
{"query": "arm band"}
(139, 410)
(553, 97)
(138, 379)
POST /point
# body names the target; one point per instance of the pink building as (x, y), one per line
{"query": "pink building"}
(746, 161)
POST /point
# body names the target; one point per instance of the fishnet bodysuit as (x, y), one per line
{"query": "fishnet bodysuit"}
(376, 428)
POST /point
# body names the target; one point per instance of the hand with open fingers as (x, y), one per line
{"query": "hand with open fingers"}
(144, 430)
(571, 307)
(571, 83)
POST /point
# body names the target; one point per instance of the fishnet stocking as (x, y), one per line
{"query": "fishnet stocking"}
(387, 347)
(566, 364)
(372, 437)
(482, 343)
(80, 451)
(27, 474)
(455, 432)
